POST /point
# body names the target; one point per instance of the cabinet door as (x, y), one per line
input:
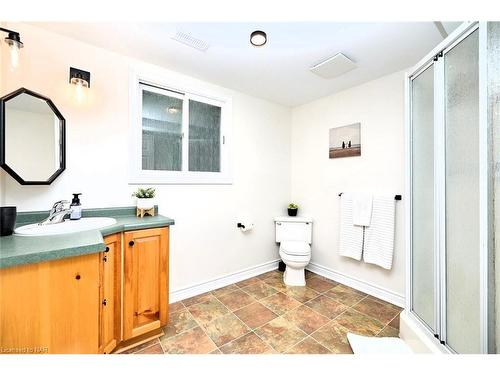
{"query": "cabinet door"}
(145, 306)
(50, 307)
(110, 266)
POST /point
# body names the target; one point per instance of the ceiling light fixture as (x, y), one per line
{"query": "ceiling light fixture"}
(258, 38)
(172, 110)
(13, 39)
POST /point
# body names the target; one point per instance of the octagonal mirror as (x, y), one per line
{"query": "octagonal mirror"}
(32, 137)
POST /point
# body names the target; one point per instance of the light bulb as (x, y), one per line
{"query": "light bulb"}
(14, 54)
(79, 91)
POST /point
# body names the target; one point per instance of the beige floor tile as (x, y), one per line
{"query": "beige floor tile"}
(394, 323)
(225, 329)
(301, 293)
(207, 311)
(308, 346)
(247, 282)
(197, 299)
(306, 319)
(255, 315)
(345, 295)
(225, 290)
(141, 346)
(333, 336)
(382, 311)
(280, 303)
(320, 285)
(194, 341)
(174, 307)
(268, 274)
(359, 323)
(179, 322)
(326, 306)
(280, 334)
(389, 332)
(247, 344)
(154, 349)
(236, 300)
(260, 290)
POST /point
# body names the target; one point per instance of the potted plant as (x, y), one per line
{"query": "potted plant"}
(293, 209)
(145, 198)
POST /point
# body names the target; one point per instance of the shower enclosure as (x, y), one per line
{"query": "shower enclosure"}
(450, 214)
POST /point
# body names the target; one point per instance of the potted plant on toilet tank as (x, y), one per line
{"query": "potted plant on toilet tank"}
(145, 198)
(293, 209)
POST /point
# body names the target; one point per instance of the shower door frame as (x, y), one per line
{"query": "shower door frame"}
(439, 337)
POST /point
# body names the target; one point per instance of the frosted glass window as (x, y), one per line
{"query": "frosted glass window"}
(204, 137)
(161, 132)
(461, 66)
(422, 120)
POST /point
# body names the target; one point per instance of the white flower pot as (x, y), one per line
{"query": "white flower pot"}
(145, 203)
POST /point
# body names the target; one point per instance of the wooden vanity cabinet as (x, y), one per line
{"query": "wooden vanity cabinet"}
(74, 305)
(145, 280)
(50, 307)
(110, 294)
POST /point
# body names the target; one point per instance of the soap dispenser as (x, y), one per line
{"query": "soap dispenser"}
(76, 207)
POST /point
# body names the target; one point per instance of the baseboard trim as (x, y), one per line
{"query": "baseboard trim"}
(361, 285)
(219, 282)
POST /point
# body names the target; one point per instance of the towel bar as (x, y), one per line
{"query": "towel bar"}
(397, 197)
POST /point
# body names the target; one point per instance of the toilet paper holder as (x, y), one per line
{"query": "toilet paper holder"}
(245, 227)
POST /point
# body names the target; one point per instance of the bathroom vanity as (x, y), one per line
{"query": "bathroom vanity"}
(94, 291)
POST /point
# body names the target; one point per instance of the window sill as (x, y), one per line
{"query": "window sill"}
(178, 178)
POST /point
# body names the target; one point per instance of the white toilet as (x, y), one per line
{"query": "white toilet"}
(294, 234)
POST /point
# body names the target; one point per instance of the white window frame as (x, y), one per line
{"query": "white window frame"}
(159, 84)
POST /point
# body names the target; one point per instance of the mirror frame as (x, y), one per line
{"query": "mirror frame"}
(62, 134)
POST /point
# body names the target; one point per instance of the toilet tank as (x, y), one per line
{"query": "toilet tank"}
(293, 228)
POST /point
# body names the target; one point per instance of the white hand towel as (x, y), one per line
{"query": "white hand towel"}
(379, 236)
(351, 236)
(362, 209)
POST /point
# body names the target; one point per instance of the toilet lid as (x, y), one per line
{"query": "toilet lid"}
(295, 248)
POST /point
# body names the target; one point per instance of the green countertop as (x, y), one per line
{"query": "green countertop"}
(17, 250)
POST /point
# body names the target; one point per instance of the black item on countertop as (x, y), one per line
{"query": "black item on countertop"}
(292, 211)
(8, 216)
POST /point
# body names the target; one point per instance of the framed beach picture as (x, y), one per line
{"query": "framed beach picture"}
(345, 141)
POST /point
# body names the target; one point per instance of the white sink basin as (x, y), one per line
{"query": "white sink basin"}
(67, 226)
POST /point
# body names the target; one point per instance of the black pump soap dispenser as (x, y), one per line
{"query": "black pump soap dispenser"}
(76, 206)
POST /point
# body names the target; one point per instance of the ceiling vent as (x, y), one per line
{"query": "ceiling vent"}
(334, 66)
(190, 41)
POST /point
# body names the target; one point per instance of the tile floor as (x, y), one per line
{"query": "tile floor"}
(262, 315)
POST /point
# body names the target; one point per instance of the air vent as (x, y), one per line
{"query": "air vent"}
(334, 66)
(190, 41)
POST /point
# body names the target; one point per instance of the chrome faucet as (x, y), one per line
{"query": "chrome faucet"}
(59, 210)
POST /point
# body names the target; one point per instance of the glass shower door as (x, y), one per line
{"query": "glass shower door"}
(422, 205)
(462, 250)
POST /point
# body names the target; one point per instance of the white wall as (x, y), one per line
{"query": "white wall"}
(317, 180)
(205, 242)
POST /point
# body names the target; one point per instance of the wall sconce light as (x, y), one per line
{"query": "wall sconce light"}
(13, 39)
(81, 79)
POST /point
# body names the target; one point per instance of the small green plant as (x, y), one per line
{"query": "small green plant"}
(293, 206)
(144, 193)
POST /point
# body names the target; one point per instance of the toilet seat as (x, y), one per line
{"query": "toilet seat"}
(295, 248)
